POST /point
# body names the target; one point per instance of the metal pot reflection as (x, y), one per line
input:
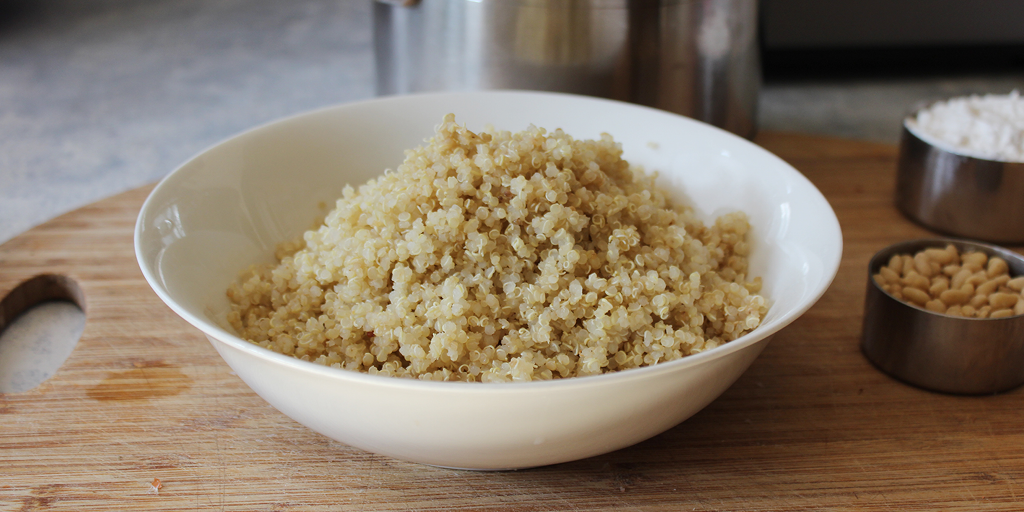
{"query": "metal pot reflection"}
(697, 58)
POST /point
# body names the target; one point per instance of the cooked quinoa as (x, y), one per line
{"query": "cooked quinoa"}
(498, 257)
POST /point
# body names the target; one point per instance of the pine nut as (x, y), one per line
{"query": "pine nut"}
(923, 265)
(1003, 300)
(918, 296)
(941, 256)
(935, 305)
(997, 266)
(954, 297)
(1016, 283)
(937, 287)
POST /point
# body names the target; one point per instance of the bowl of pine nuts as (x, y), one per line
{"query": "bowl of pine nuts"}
(947, 315)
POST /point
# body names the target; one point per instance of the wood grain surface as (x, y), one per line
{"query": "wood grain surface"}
(811, 426)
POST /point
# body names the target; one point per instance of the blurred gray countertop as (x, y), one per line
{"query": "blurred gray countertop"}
(102, 96)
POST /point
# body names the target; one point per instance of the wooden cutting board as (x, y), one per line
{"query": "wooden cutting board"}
(811, 426)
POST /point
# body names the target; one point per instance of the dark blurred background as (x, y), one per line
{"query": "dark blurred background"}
(808, 39)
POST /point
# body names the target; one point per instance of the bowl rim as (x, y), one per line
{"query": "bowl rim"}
(217, 333)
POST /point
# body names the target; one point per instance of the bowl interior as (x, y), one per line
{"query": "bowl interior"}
(231, 205)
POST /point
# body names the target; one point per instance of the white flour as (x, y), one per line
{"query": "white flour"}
(990, 126)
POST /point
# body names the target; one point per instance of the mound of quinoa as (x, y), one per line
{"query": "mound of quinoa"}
(498, 257)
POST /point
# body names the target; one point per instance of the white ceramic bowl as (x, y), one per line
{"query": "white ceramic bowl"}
(230, 205)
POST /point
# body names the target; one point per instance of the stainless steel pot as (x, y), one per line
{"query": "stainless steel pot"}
(697, 58)
(959, 194)
(940, 352)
